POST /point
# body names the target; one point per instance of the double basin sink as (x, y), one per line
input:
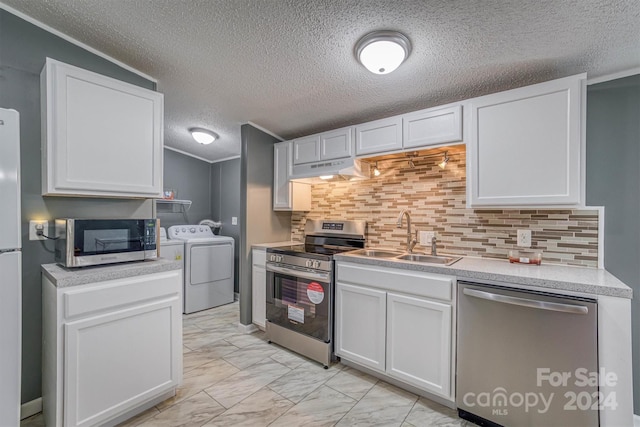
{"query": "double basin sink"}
(421, 258)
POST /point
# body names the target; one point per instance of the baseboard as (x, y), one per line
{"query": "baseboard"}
(636, 420)
(247, 329)
(31, 408)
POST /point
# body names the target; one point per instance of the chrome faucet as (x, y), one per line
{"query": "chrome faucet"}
(411, 241)
(434, 248)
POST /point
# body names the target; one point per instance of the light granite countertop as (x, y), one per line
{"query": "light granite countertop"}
(557, 277)
(63, 277)
(274, 244)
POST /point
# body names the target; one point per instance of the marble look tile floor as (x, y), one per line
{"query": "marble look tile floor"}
(234, 379)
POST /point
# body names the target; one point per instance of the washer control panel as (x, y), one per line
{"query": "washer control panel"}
(185, 232)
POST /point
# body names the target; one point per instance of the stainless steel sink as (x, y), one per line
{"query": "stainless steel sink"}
(429, 259)
(376, 253)
(390, 255)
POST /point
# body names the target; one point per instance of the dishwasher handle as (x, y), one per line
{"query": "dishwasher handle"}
(526, 302)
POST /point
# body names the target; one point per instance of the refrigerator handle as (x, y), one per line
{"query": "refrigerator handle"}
(525, 302)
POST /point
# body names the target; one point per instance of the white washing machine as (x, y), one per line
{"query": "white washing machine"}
(208, 267)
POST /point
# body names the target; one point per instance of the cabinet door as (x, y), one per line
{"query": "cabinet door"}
(526, 146)
(419, 343)
(381, 135)
(360, 325)
(259, 288)
(288, 195)
(281, 186)
(118, 360)
(432, 126)
(101, 136)
(336, 144)
(306, 150)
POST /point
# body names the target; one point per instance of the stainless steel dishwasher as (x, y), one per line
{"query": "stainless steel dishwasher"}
(526, 358)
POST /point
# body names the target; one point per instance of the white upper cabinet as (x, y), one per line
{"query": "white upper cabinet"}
(306, 150)
(379, 136)
(432, 126)
(526, 146)
(288, 195)
(100, 136)
(335, 144)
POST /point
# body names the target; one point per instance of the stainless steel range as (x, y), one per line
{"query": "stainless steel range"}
(300, 287)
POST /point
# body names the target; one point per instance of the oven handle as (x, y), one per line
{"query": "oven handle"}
(325, 277)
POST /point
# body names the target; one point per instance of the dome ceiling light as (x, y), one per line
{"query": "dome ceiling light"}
(381, 52)
(203, 136)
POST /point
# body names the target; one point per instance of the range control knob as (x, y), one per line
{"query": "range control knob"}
(316, 264)
(308, 263)
(192, 229)
(184, 230)
(200, 229)
(272, 258)
(279, 258)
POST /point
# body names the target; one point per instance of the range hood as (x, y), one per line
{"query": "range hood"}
(348, 169)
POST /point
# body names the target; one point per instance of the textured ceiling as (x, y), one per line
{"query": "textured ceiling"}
(288, 65)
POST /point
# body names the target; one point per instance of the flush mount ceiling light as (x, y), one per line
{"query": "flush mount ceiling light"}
(381, 52)
(445, 160)
(203, 136)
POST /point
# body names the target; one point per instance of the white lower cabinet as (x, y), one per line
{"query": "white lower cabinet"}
(360, 333)
(419, 342)
(399, 323)
(259, 287)
(110, 347)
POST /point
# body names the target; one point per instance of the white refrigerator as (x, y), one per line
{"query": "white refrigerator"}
(10, 269)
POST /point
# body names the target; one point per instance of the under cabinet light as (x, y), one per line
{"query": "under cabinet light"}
(445, 160)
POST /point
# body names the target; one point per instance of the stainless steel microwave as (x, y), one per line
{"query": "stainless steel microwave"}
(86, 242)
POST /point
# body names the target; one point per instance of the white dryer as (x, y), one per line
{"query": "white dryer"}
(208, 267)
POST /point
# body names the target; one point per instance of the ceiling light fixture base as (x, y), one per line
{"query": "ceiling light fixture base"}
(383, 51)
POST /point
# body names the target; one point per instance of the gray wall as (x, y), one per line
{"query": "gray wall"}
(23, 48)
(259, 223)
(225, 204)
(613, 181)
(191, 179)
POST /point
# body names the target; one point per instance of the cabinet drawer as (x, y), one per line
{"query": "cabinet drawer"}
(119, 293)
(404, 281)
(259, 257)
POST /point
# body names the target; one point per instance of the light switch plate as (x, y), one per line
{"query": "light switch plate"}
(234, 220)
(33, 229)
(524, 238)
(425, 237)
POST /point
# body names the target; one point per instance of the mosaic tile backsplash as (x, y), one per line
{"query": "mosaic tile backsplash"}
(436, 199)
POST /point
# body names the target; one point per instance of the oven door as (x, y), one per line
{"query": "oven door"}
(300, 300)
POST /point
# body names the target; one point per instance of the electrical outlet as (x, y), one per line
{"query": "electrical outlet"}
(524, 238)
(35, 225)
(426, 237)
(234, 220)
